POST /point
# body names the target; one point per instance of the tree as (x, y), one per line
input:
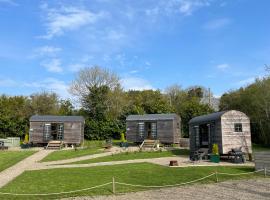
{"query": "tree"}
(254, 100)
(187, 103)
(96, 102)
(100, 95)
(44, 103)
(66, 107)
(90, 77)
(14, 115)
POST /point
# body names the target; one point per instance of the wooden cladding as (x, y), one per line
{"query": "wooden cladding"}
(70, 132)
(164, 130)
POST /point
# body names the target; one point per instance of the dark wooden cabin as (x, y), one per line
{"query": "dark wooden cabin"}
(69, 129)
(228, 129)
(162, 127)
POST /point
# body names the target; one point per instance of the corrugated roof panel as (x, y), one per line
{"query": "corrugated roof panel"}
(206, 118)
(151, 117)
(55, 118)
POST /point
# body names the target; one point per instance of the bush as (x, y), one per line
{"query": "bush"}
(123, 137)
(215, 149)
(102, 130)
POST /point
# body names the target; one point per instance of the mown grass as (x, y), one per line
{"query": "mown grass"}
(87, 148)
(136, 155)
(9, 158)
(67, 154)
(259, 147)
(59, 180)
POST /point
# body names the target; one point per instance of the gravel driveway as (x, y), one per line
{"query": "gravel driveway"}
(258, 189)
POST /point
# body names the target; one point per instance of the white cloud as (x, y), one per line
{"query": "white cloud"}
(114, 35)
(76, 67)
(51, 84)
(135, 83)
(133, 72)
(68, 18)
(6, 82)
(148, 63)
(223, 67)
(217, 24)
(9, 2)
(46, 51)
(246, 81)
(185, 7)
(53, 65)
(171, 7)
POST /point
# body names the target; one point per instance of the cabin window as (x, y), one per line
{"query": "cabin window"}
(141, 129)
(47, 132)
(154, 130)
(60, 132)
(238, 127)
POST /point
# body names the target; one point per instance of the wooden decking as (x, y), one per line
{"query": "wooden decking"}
(55, 145)
(149, 144)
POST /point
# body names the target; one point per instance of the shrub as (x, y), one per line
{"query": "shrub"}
(215, 149)
(123, 137)
(26, 139)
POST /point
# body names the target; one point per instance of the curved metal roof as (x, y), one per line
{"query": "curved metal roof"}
(55, 118)
(152, 117)
(206, 118)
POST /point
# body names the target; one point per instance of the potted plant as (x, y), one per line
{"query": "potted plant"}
(214, 157)
(25, 143)
(123, 142)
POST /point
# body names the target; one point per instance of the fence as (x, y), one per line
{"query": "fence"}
(114, 183)
(11, 141)
(184, 142)
(262, 160)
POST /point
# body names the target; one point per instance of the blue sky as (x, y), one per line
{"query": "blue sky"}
(221, 44)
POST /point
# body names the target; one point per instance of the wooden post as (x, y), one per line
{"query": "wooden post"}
(113, 185)
(216, 176)
(265, 172)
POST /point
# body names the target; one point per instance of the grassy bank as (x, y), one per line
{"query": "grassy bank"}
(87, 148)
(58, 180)
(136, 155)
(9, 158)
(67, 154)
(259, 147)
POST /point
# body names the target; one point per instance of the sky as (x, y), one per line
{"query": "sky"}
(150, 44)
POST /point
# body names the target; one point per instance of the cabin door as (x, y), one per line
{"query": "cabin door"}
(53, 131)
(151, 130)
(204, 136)
(47, 132)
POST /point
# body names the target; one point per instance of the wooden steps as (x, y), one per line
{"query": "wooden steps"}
(54, 145)
(149, 144)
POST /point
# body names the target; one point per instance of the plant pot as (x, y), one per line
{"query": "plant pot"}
(215, 158)
(25, 146)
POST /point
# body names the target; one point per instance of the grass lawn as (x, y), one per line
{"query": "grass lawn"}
(59, 180)
(67, 154)
(9, 158)
(136, 155)
(90, 147)
(258, 147)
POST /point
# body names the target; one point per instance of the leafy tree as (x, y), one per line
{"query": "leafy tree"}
(65, 108)
(96, 102)
(44, 103)
(254, 100)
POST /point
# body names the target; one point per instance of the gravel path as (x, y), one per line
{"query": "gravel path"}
(10, 173)
(258, 189)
